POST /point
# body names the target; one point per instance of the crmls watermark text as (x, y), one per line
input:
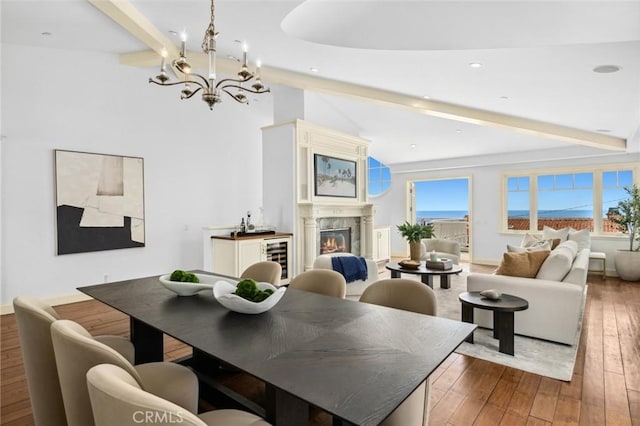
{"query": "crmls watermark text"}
(151, 417)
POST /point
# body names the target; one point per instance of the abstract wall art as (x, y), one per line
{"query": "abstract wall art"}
(99, 202)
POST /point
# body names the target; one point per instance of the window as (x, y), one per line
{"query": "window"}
(613, 184)
(379, 177)
(518, 212)
(565, 200)
(576, 198)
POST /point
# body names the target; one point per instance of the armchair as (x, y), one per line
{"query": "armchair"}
(443, 248)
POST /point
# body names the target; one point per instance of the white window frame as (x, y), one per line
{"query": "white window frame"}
(597, 171)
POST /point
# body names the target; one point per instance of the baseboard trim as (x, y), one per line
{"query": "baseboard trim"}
(7, 308)
(488, 262)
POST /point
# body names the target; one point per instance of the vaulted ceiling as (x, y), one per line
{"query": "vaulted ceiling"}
(375, 62)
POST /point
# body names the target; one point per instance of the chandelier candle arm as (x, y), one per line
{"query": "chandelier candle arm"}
(210, 89)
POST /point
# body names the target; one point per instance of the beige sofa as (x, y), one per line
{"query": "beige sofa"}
(555, 305)
(355, 288)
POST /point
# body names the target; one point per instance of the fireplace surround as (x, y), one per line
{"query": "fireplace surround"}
(315, 218)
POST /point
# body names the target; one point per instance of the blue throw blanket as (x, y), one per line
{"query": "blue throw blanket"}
(351, 267)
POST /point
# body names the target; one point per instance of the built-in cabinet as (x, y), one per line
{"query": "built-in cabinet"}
(232, 255)
(382, 244)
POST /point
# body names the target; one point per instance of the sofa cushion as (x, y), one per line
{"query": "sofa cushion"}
(571, 246)
(522, 264)
(557, 265)
(582, 237)
(550, 233)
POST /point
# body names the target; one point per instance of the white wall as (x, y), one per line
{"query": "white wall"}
(485, 173)
(201, 167)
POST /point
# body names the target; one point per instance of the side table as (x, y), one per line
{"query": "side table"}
(503, 310)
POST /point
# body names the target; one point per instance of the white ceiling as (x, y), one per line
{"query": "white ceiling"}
(539, 55)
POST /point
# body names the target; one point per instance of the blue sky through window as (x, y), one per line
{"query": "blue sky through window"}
(442, 195)
(379, 177)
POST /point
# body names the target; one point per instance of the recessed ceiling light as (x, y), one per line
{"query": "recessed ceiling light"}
(475, 65)
(426, 97)
(173, 33)
(458, 131)
(603, 130)
(314, 69)
(46, 33)
(504, 98)
(606, 69)
(413, 145)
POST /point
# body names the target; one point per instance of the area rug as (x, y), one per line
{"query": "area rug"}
(537, 356)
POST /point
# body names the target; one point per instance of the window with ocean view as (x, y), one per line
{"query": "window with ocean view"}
(518, 212)
(578, 198)
(568, 197)
(444, 204)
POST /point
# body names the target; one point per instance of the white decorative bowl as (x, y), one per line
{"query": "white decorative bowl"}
(223, 290)
(189, 289)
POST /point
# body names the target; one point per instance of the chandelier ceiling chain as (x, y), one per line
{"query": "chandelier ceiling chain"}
(211, 89)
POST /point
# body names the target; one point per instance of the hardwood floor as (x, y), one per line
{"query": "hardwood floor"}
(605, 389)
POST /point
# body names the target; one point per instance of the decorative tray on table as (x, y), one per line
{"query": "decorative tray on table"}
(409, 264)
(441, 263)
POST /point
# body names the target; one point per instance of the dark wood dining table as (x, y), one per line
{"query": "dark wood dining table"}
(356, 361)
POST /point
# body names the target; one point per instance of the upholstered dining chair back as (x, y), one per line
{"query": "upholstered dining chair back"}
(400, 293)
(266, 272)
(117, 399)
(414, 296)
(76, 352)
(321, 281)
(34, 319)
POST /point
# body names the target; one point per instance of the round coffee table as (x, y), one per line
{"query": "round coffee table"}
(426, 275)
(503, 310)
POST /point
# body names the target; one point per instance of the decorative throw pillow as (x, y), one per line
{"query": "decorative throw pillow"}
(529, 239)
(550, 233)
(524, 264)
(582, 237)
(540, 245)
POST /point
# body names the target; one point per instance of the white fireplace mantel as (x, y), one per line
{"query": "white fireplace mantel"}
(309, 213)
(289, 199)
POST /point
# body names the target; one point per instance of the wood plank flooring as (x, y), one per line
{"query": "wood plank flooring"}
(605, 389)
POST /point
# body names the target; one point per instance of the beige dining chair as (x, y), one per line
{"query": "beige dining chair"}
(266, 272)
(400, 293)
(76, 352)
(117, 399)
(321, 281)
(34, 319)
(413, 296)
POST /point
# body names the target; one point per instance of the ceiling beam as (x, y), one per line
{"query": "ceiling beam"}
(123, 12)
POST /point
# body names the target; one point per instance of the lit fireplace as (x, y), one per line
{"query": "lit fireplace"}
(335, 240)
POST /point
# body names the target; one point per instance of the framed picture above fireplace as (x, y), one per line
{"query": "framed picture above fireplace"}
(334, 177)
